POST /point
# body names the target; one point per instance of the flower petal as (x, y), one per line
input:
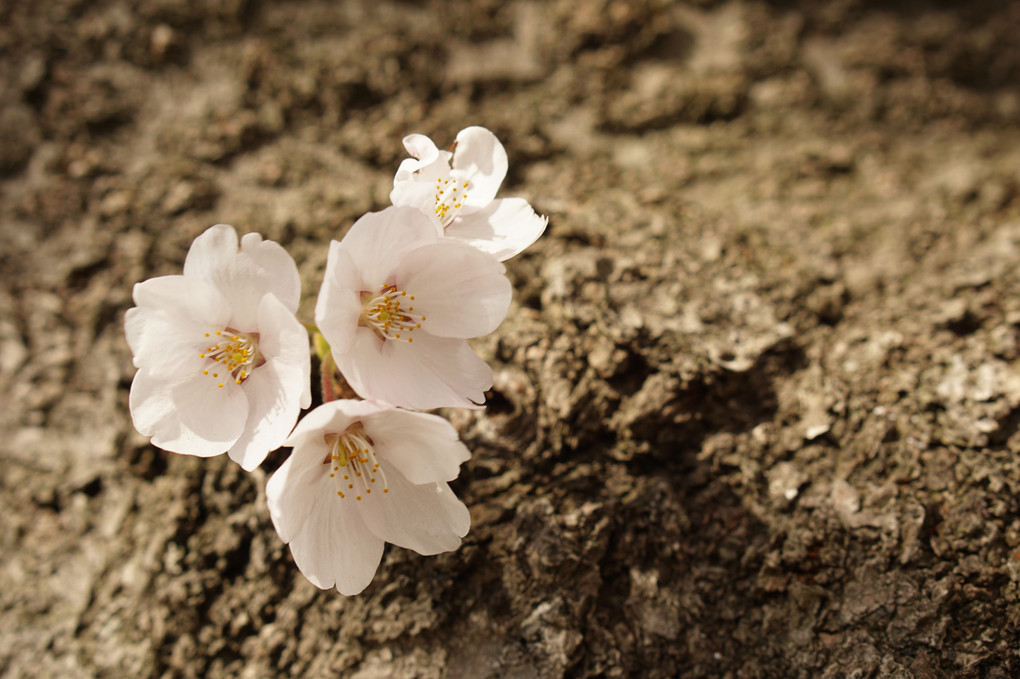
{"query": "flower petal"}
(292, 489)
(427, 518)
(425, 448)
(461, 292)
(379, 240)
(243, 277)
(415, 181)
(167, 346)
(282, 339)
(280, 269)
(338, 307)
(210, 251)
(332, 546)
(184, 298)
(156, 412)
(433, 372)
(421, 195)
(423, 152)
(502, 229)
(480, 158)
(274, 392)
(213, 414)
(332, 417)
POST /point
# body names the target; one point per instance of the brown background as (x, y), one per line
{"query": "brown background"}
(757, 401)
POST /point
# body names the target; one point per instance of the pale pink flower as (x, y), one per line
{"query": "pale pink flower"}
(223, 363)
(397, 305)
(363, 474)
(458, 191)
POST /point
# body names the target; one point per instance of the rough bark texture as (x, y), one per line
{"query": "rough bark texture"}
(757, 403)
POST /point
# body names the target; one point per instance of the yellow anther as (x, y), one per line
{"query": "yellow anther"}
(356, 447)
(385, 314)
(235, 353)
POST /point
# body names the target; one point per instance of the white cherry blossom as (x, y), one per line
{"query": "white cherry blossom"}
(223, 363)
(363, 474)
(397, 305)
(458, 191)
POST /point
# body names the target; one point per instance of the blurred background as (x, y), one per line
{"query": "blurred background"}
(757, 401)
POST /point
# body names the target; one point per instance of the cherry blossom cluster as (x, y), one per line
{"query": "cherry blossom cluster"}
(224, 364)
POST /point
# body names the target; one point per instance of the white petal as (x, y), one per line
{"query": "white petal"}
(332, 417)
(291, 490)
(415, 182)
(480, 158)
(274, 394)
(503, 228)
(214, 414)
(245, 276)
(151, 406)
(280, 269)
(156, 412)
(379, 240)
(405, 173)
(338, 307)
(422, 148)
(433, 372)
(426, 164)
(332, 546)
(423, 152)
(461, 292)
(184, 298)
(210, 251)
(168, 346)
(425, 448)
(427, 518)
(421, 195)
(284, 340)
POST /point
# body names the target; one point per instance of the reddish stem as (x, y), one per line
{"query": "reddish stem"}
(326, 368)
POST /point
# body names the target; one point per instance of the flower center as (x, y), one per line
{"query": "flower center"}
(354, 467)
(231, 355)
(450, 196)
(390, 313)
